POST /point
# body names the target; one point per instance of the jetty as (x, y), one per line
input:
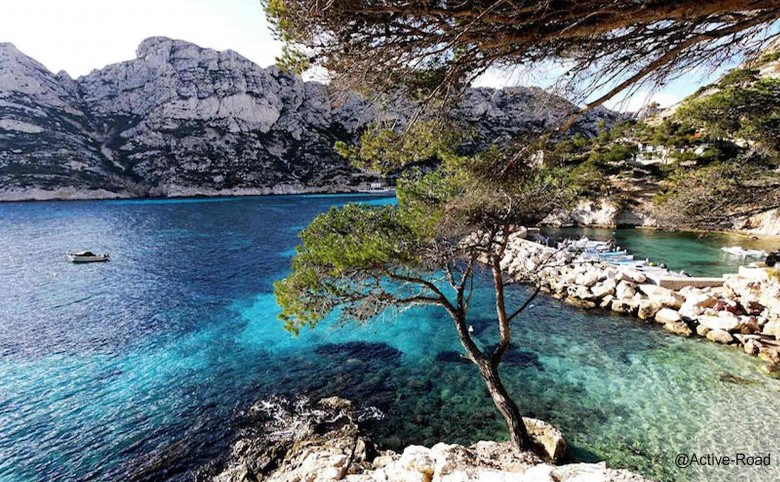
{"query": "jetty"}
(608, 252)
(739, 309)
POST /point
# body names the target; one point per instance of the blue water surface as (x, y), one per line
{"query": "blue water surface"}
(138, 369)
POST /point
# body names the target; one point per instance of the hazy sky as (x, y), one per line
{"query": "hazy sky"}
(81, 35)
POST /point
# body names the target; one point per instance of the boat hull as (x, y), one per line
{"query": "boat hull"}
(87, 259)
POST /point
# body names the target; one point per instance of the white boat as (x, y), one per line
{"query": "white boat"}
(87, 257)
(608, 254)
(740, 251)
(586, 245)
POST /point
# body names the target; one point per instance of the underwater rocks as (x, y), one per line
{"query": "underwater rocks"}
(359, 350)
(744, 312)
(299, 440)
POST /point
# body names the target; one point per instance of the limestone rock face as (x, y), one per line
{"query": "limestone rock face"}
(184, 120)
(45, 141)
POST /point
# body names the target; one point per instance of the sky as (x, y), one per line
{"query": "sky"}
(81, 35)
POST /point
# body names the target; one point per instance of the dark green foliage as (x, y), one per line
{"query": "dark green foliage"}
(738, 77)
(383, 148)
(750, 112)
(716, 195)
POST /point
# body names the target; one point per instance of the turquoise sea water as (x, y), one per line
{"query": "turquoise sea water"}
(138, 369)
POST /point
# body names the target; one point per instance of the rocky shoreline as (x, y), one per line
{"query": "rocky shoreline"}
(299, 440)
(173, 192)
(606, 213)
(744, 312)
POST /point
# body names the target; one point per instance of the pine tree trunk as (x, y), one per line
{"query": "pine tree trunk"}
(518, 435)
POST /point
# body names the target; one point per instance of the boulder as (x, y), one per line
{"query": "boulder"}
(420, 461)
(630, 274)
(702, 330)
(748, 325)
(770, 354)
(580, 292)
(568, 277)
(719, 336)
(690, 311)
(547, 438)
(667, 315)
(723, 321)
(663, 296)
(647, 309)
(678, 328)
(579, 303)
(587, 279)
(613, 273)
(772, 328)
(622, 306)
(600, 290)
(751, 347)
(606, 302)
(700, 299)
(624, 291)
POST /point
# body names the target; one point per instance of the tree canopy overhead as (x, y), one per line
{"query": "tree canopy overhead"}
(435, 47)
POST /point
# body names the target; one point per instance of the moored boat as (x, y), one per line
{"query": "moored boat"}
(87, 257)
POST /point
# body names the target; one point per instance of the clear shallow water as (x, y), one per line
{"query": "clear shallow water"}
(699, 254)
(136, 369)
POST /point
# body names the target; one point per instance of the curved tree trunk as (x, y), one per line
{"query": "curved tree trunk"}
(488, 364)
(518, 434)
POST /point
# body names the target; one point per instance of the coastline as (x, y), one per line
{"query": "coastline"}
(741, 309)
(178, 192)
(61, 195)
(606, 213)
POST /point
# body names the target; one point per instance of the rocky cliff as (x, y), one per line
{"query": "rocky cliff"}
(183, 120)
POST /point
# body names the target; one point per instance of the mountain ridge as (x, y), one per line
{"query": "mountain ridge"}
(181, 120)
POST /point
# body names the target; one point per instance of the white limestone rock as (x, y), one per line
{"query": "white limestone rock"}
(667, 315)
(624, 291)
(723, 321)
(632, 275)
(720, 336)
(662, 296)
